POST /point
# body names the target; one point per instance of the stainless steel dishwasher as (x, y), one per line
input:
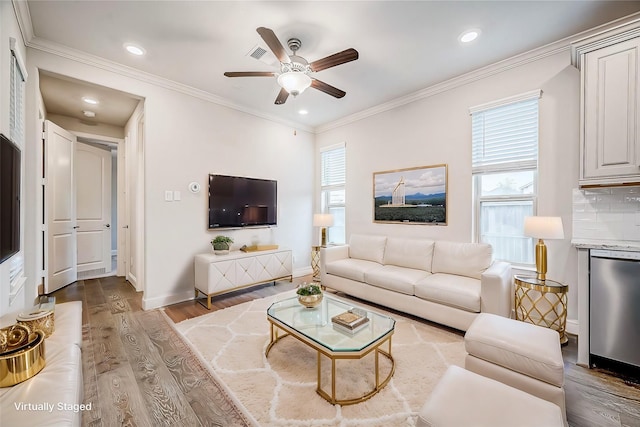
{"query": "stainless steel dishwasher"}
(614, 309)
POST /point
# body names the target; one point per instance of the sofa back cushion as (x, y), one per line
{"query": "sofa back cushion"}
(411, 253)
(367, 247)
(463, 259)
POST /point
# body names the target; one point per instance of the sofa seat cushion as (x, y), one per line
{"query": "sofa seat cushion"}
(463, 259)
(394, 278)
(410, 253)
(68, 324)
(351, 268)
(448, 289)
(58, 385)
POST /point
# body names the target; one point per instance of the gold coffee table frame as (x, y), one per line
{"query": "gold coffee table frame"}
(321, 350)
(543, 303)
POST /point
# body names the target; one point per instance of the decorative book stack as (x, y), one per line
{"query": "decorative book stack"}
(350, 321)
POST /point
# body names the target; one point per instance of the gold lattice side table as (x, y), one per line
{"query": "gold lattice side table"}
(315, 262)
(542, 302)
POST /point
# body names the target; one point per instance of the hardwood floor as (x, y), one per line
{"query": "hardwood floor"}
(115, 342)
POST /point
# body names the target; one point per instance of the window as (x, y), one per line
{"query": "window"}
(332, 190)
(18, 76)
(505, 170)
(16, 96)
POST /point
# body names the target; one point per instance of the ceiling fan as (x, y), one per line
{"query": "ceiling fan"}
(294, 74)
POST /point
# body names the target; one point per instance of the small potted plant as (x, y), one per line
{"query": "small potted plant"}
(309, 294)
(221, 244)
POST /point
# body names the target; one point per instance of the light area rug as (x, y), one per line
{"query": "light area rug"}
(280, 390)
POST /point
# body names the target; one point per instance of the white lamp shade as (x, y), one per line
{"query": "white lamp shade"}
(543, 227)
(322, 220)
(294, 82)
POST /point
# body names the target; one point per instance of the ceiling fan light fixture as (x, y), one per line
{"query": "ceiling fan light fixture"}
(294, 82)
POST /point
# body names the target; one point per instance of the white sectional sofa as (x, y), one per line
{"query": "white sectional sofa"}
(53, 397)
(446, 282)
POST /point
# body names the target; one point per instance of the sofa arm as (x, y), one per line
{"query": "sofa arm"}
(496, 295)
(330, 254)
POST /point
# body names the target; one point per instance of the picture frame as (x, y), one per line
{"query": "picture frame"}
(411, 196)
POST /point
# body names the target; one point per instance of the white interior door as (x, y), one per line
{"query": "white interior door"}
(93, 211)
(60, 208)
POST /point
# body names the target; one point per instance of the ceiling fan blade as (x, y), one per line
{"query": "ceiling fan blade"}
(274, 44)
(249, 74)
(335, 59)
(328, 89)
(282, 97)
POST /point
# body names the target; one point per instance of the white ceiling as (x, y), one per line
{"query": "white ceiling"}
(404, 46)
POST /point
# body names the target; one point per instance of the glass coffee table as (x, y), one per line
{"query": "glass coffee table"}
(313, 327)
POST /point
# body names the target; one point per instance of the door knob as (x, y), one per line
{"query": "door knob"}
(76, 227)
(108, 225)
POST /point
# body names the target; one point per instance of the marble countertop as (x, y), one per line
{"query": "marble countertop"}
(620, 245)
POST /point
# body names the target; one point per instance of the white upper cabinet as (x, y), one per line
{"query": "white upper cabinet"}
(609, 112)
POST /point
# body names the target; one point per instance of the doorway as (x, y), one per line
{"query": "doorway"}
(107, 151)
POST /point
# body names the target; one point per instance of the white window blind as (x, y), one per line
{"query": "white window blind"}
(506, 135)
(332, 189)
(17, 76)
(16, 97)
(333, 166)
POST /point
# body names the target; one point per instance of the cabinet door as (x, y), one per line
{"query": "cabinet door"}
(280, 264)
(246, 271)
(222, 276)
(611, 120)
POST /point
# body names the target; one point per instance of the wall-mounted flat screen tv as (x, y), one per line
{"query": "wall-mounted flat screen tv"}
(236, 201)
(9, 198)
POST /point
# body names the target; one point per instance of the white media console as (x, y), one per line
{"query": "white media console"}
(218, 274)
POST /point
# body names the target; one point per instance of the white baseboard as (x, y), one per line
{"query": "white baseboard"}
(151, 303)
(572, 326)
(299, 272)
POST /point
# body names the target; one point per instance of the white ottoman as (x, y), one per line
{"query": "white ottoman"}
(463, 398)
(521, 355)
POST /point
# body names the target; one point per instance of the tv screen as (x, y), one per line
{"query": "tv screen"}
(9, 198)
(236, 201)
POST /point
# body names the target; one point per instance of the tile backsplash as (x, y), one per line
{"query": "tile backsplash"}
(607, 213)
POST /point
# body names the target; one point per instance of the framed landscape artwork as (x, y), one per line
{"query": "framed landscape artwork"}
(411, 196)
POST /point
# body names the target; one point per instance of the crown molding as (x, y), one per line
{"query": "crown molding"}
(464, 79)
(536, 54)
(44, 45)
(57, 49)
(23, 16)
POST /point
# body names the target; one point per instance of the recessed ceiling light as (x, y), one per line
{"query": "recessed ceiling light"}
(134, 49)
(469, 36)
(90, 100)
(303, 112)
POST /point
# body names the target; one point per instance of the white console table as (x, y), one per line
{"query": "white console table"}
(219, 274)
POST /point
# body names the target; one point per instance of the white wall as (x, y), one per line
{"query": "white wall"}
(437, 129)
(186, 138)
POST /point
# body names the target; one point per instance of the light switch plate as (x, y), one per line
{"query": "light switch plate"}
(168, 196)
(176, 195)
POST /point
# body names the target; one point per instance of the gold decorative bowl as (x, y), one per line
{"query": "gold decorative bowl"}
(21, 363)
(42, 320)
(310, 301)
